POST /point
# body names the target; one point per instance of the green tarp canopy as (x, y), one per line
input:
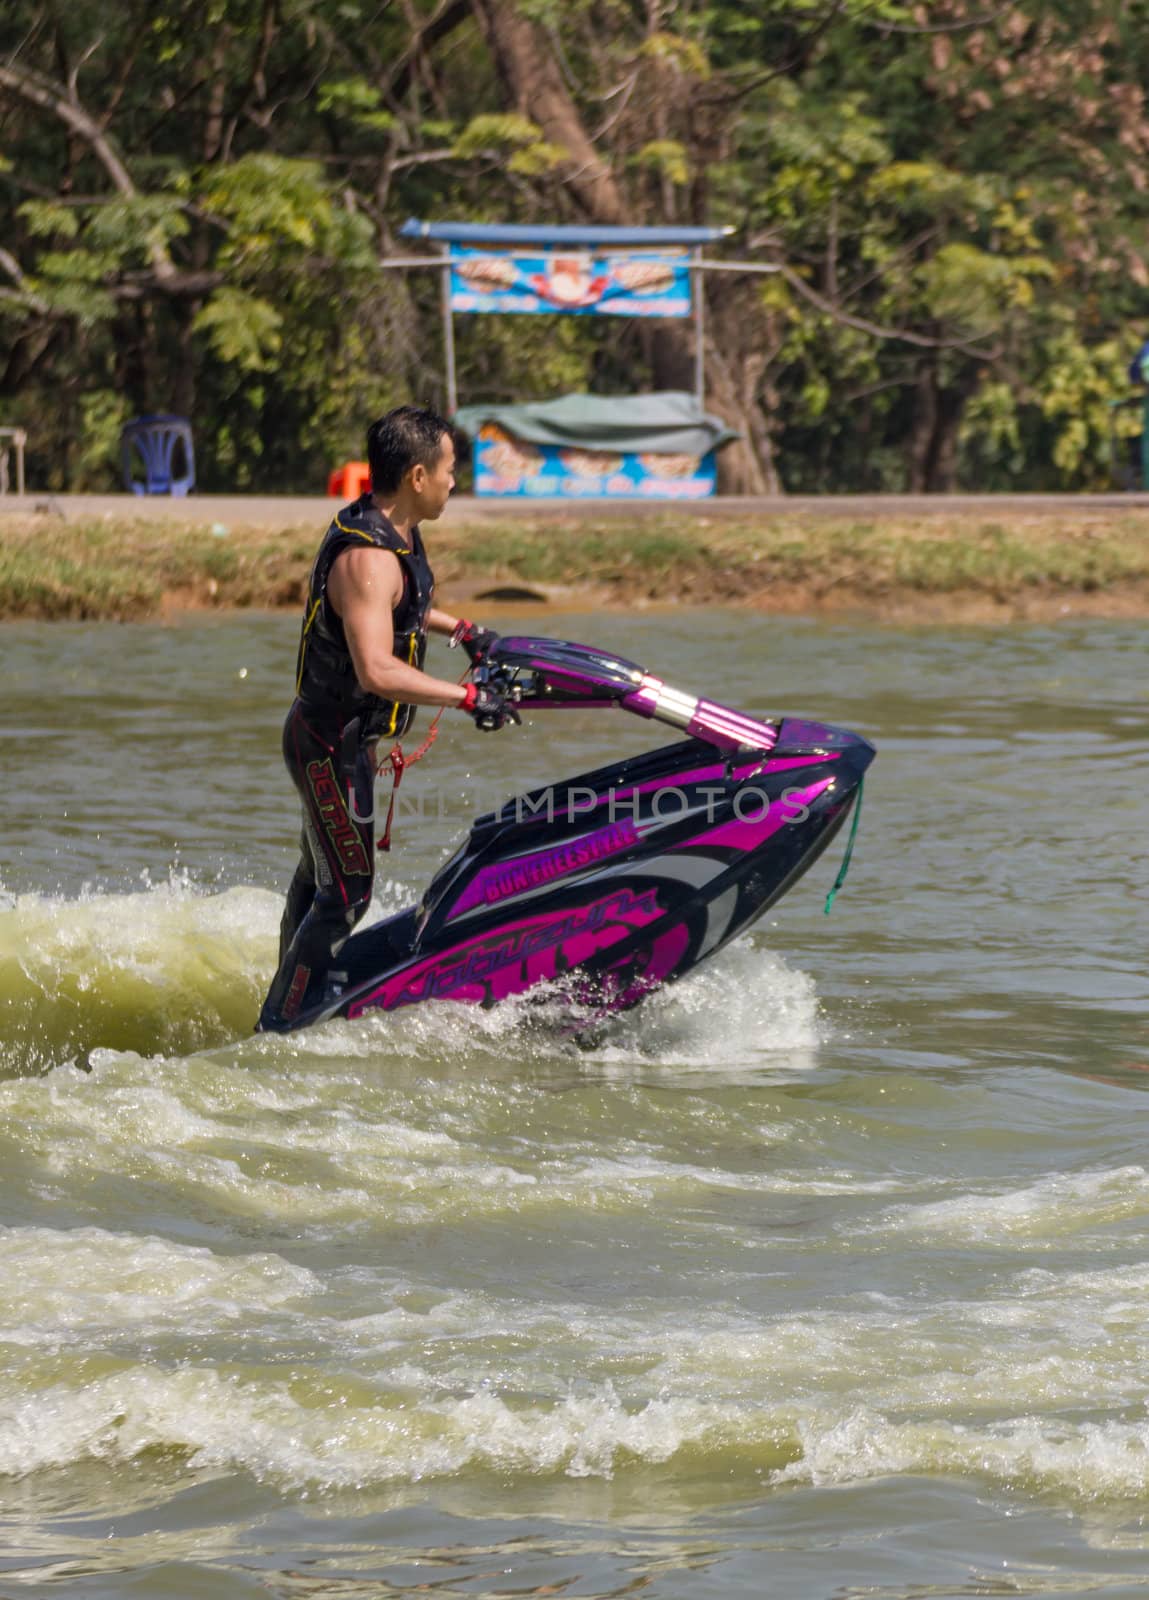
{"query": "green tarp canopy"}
(671, 421)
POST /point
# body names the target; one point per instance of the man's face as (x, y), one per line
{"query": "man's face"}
(432, 485)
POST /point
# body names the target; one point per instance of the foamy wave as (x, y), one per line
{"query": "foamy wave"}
(1046, 1210)
(303, 1434)
(744, 1007)
(168, 968)
(361, 1154)
(62, 1284)
(1089, 1460)
(316, 1431)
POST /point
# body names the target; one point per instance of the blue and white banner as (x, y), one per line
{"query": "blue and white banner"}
(573, 282)
(507, 466)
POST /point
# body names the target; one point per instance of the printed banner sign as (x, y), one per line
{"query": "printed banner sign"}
(507, 466)
(574, 282)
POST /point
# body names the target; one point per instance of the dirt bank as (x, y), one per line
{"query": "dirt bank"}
(969, 566)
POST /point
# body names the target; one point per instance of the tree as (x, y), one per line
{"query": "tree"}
(194, 202)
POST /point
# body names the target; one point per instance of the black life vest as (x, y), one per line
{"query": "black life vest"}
(325, 678)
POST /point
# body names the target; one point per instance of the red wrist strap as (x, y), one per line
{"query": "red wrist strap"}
(468, 701)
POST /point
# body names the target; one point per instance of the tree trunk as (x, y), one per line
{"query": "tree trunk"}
(922, 428)
(934, 435)
(526, 62)
(216, 74)
(733, 375)
(527, 65)
(951, 409)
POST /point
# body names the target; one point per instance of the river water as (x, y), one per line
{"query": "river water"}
(825, 1274)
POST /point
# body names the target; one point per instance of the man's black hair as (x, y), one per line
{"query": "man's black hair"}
(406, 437)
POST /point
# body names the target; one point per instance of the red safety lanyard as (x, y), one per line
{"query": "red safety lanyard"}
(397, 763)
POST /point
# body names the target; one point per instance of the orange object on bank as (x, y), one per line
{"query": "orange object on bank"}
(350, 480)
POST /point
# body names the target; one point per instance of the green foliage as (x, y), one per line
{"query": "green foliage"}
(973, 290)
(497, 363)
(518, 139)
(506, 131)
(686, 55)
(1080, 381)
(838, 140)
(242, 329)
(272, 203)
(931, 189)
(537, 159)
(667, 157)
(990, 430)
(70, 283)
(44, 219)
(982, 188)
(816, 154)
(132, 227)
(359, 101)
(103, 413)
(436, 128)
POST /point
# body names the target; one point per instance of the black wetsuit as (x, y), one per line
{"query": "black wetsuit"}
(329, 742)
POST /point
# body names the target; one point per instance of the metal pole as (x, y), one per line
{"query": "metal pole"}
(699, 328)
(406, 263)
(738, 266)
(21, 437)
(449, 335)
(391, 263)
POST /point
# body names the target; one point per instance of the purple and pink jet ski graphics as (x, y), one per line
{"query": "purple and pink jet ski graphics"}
(619, 880)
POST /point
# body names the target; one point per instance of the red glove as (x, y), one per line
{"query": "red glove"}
(488, 707)
(475, 641)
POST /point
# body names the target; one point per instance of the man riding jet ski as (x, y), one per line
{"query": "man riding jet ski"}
(616, 881)
(359, 676)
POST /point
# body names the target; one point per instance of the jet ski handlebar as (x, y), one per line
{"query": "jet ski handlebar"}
(535, 672)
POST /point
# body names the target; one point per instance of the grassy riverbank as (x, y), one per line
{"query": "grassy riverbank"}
(971, 566)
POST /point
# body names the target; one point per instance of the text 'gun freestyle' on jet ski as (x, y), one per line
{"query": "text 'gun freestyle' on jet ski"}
(619, 880)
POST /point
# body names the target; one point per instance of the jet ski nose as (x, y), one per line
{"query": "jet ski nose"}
(797, 738)
(860, 752)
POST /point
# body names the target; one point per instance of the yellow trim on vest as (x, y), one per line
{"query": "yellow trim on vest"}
(412, 652)
(359, 534)
(303, 644)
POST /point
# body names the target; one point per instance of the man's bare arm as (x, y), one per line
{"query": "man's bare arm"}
(441, 621)
(365, 586)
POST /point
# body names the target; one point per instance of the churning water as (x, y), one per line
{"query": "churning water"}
(826, 1273)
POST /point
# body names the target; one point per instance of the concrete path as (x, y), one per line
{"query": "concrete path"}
(302, 510)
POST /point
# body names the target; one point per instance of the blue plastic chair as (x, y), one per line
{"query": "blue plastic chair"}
(155, 439)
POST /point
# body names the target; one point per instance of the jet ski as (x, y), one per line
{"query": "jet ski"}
(613, 883)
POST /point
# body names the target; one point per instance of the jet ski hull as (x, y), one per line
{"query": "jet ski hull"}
(614, 883)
